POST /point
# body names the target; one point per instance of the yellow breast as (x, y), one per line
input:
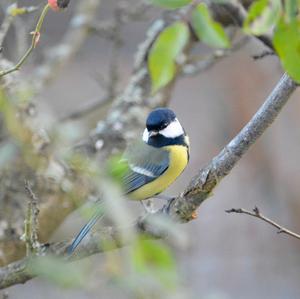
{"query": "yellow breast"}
(178, 161)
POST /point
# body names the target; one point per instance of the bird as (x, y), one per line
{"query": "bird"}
(153, 163)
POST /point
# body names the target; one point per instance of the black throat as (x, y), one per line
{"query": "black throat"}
(160, 141)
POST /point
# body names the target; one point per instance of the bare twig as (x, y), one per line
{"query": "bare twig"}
(196, 66)
(126, 12)
(31, 222)
(256, 213)
(35, 38)
(263, 55)
(89, 107)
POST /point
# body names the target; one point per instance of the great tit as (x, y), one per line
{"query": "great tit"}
(153, 163)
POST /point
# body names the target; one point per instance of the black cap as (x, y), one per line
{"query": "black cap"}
(160, 118)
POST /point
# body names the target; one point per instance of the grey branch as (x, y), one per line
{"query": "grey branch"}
(181, 208)
(202, 185)
(256, 213)
(196, 66)
(87, 108)
(19, 271)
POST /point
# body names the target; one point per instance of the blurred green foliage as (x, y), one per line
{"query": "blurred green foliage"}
(151, 270)
(171, 4)
(116, 167)
(291, 9)
(57, 271)
(13, 10)
(262, 16)
(154, 259)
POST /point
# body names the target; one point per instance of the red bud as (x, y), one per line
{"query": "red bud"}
(58, 5)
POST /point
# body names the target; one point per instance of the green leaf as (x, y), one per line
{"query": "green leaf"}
(291, 9)
(207, 30)
(153, 254)
(117, 167)
(162, 57)
(171, 4)
(286, 41)
(154, 258)
(57, 271)
(262, 16)
(13, 10)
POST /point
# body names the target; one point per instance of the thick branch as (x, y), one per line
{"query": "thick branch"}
(256, 213)
(206, 180)
(100, 241)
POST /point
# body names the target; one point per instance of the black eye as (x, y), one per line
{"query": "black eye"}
(164, 125)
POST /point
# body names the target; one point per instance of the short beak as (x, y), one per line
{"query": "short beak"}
(152, 133)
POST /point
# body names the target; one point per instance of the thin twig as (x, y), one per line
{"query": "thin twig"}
(126, 12)
(31, 222)
(27, 230)
(34, 41)
(263, 55)
(89, 107)
(196, 66)
(256, 213)
(4, 27)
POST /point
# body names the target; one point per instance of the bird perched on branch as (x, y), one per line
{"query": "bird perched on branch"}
(153, 164)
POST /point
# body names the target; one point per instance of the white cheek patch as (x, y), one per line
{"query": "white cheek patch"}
(173, 130)
(146, 135)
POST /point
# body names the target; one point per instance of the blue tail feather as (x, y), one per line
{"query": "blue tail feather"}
(84, 231)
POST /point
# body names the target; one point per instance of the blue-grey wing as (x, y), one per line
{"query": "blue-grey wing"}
(145, 164)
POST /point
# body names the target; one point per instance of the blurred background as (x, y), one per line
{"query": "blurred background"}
(224, 255)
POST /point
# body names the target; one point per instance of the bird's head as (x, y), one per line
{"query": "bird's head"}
(163, 128)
